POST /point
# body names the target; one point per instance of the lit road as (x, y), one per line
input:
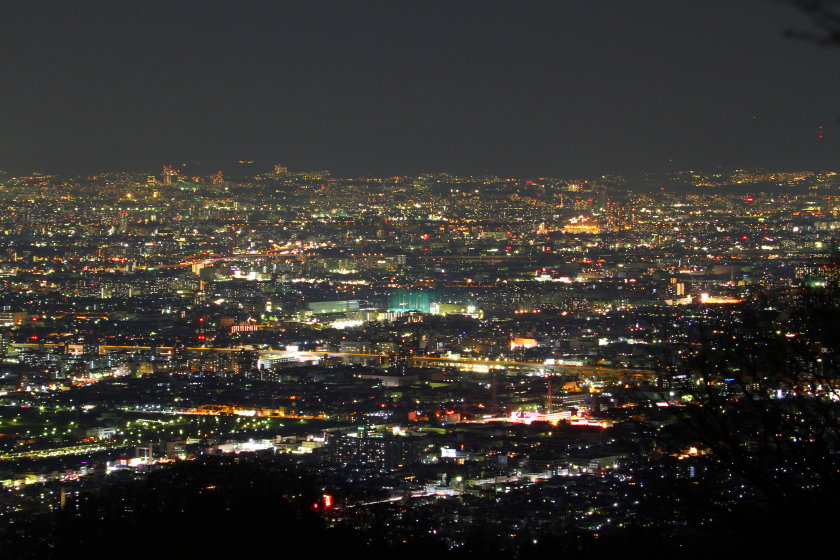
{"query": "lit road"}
(420, 361)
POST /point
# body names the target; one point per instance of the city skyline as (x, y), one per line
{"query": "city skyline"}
(417, 349)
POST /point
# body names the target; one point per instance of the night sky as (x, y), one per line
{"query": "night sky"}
(393, 87)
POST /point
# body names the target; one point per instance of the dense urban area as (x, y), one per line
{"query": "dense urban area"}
(420, 365)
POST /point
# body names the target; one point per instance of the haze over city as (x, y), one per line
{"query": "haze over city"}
(373, 88)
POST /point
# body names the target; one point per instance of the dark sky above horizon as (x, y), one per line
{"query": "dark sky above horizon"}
(520, 88)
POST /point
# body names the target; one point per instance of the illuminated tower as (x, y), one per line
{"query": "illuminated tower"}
(123, 221)
(168, 172)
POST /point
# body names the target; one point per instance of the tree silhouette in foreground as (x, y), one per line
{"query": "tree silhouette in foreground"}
(760, 397)
(825, 19)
